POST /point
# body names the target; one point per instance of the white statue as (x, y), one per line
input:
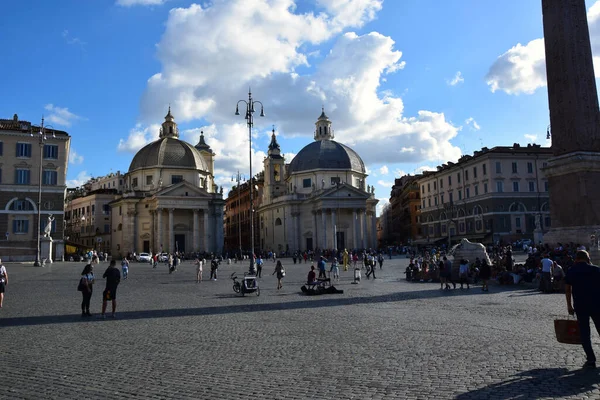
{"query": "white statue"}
(322, 183)
(48, 227)
(538, 224)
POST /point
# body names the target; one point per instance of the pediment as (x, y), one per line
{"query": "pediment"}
(183, 189)
(343, 191)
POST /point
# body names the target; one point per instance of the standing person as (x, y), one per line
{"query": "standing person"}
(87, 281)
(259, 264)
(113, 277)
(199, 264)
(214, 265)
(125, 268)
(485, 273)
(546, 281)
(463, 271)
(380, 260)
(443, 280)
(3, 282)
(321, 267)
(280, 274)
(170, 263)
(346, 259)
(582, 283)
(448, 272)
(334, 270)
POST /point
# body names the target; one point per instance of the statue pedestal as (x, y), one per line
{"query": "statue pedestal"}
(538, 237)
(46, 249)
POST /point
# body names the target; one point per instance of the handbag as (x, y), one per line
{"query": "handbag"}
(81, 287)
(282, 272)
(567, 331)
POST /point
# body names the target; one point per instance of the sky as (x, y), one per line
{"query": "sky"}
(408, 84)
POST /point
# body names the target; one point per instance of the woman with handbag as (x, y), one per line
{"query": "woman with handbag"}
(280, 274)
(85, 286)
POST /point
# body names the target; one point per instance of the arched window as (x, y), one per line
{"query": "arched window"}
(461, 213)
(21, 205)
(278, 222)
(477, 210)
(517, 207)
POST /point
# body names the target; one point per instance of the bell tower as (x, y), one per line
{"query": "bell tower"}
(323, 127)
(274, 167)
(169, 127)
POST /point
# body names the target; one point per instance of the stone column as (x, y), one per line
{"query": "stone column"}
(314, 229)
(324, 235)
(374, 230)
(159, 229)
(170, 232)
(206, 229)
(354, 229)
(295, 230)
(196, 245)
(333, 229)
(575, 123)
(219, 238)
(363, 227)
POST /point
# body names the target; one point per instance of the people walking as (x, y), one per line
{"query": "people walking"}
(199, 263)
(3, 282)
(113, 277)
(125, 267)
(259, 265)
(380, 260)
(582, 285)
(86, 283)
(280, 274)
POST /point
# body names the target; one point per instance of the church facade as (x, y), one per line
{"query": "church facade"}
(169, 201)
(319, 200)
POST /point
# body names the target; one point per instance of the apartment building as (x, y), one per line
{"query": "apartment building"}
(498, 194)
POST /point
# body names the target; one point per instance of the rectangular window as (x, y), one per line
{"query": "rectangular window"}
(49, 178)
(429, 202)
(423, 189)
(444, 229)
(1, 148)
(466, 175)
(435, 199)
(460, 194)
(149, 179)
(514, 168)
(442, 198)
(441, 183)
(515, 186)
(546, 186)
(530, 167)
(51, 151)
(428, 187)
(474, 172)
(449, 181)
(423, 203)
(476, 190)
(451, 197)
(106, 228)
(22, 176)
(24, 150)
(93, 208)
(518, 222)
(134, 182)
(499, 187)
(485, 188)
(306, 183)
(498, 167)
(434, 185)
(120, 210)
(335, 180)
(176, 179)
(484, 168)
(458, 177)
(467, 193)
(20, 226)
(532, 186)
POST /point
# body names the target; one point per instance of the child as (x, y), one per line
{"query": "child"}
(125, 267)
(334, 270)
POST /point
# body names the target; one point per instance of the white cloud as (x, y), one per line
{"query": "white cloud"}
(60, 116)
(399, 173)
(384, 170)
(458, 78)
(423, 168)
(81, 178)
(383, 202)
(72, 40)
(385, 184)
(522, 69)
(138, 138)
(129, 3)
(530, 138)
(470, 122)
(345, 79)
(74, 158)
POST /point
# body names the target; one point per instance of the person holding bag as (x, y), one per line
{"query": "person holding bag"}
(280, 274)
(86, 288)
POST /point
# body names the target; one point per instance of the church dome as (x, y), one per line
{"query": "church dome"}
(168, 151)
(326, 154)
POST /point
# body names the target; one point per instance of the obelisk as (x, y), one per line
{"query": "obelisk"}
(574, 170)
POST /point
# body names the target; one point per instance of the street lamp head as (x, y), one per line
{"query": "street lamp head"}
(237, 110)
(262, 112)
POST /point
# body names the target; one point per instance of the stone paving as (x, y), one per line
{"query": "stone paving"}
(382, 339)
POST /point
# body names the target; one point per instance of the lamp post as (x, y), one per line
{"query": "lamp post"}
(238, 178)
(250, 121)
(42, 140)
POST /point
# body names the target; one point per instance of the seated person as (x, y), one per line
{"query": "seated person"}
(312, 276)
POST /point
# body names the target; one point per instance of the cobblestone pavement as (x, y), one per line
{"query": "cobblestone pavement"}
(381, 339)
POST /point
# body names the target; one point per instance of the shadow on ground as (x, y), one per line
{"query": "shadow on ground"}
(539, 383)
(328, 300)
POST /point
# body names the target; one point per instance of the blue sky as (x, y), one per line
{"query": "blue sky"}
(408, 84)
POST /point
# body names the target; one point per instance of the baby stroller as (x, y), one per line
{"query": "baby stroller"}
(248, 285)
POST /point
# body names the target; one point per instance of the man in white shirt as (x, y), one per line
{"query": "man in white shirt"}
(546, 280)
